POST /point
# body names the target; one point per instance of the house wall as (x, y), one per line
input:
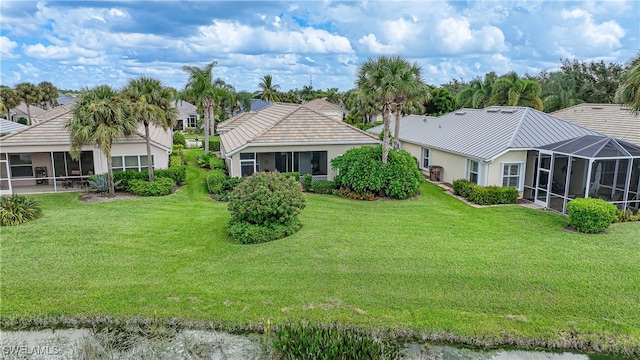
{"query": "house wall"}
(161, 157)
(332, 152)
(453, 166)
(494, 174)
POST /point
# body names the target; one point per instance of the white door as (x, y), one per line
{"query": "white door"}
(543, 178)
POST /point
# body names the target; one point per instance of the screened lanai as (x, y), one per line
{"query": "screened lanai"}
(588, 166)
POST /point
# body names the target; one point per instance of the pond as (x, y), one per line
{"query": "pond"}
(201, 344)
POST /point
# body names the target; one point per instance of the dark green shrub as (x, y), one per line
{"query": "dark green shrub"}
(216, 181)
(216, 163)
(625, 216)
(308, 179)
(323, 186)
(320, 342)
(16, 209)
(177, 173)
(508, 195)
(203, 160)
(242, 232)
(179, 139)
(294, 175)
(229, 185)
(122, 178)
(214, 144)
(462, 187)
(268, 200)
(23, 121)
(159, 187)
(361, 170)
(590, 215)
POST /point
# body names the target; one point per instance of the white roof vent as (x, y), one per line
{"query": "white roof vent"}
(460, 112)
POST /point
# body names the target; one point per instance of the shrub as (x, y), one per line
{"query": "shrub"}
(308, 179)
(316, 342)
(462, 187)
(349, 194)
(100, 182)
(216, 163)
(23, 120)
(626, 215)
(323, 186)
(590, 215)
(175, 161)
(177, 173)
(178, 150)
(179, 139)
(159, 187)
(294, 175)
(485, 195)
(216, 181)
(122, 178)
(16, 209)
(269, 200)
(203, 160)
(214, 144)
(242, 232)
(361, 170)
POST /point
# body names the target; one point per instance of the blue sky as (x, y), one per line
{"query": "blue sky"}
(76, 44)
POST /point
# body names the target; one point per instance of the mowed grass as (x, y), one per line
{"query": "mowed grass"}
(430, 264)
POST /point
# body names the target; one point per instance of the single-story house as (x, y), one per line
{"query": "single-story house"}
(7, 126)
(287, 137)
(20, 111)
(550, 161)
(187, 115)
(327, 108)
(37, 158)
(608, 119)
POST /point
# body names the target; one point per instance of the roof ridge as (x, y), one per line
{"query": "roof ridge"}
(342, 123)
(267, 128)
(32, 126)
(516, 131)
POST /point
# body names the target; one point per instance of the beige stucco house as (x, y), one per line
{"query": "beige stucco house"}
(549, 160)
(37, 159)
(287, 137)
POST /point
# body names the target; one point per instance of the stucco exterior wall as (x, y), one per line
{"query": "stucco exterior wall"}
(494, 174)
(332, 152)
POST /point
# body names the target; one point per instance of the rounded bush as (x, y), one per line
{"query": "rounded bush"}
(269, 200)
(590, 215)
(16, 209)
(362, 171)
(160, 187)
(323, 187)
(216, 163)
(215, 181)
(242, 232)
(179, 139)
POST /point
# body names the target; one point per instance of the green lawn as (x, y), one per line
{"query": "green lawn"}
(428, 264)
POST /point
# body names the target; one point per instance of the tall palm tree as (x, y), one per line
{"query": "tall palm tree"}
(29, 93)
(511, 90)
(244, 100)
(477, 94)
(376, 83)
(150, 103)
(48, 94)
(268, 90)
(200, 87)
(100, 117)
(629, 90)
(408, 85)
(9, 99)
(559, 93)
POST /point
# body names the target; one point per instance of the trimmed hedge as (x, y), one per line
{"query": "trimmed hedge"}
(214, 144)
(323, 187)
(590, 215)
(175, 160)
(216, 163)
(122, 178)
(485, 195)
(308, 180)
(160, 187)
(294, 175)
(177, 173)
(215, 181)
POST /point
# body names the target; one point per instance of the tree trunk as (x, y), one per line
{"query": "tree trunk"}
(28, 113)
(207, 120)
(112, 189)
(396, 130)
(149, 162)
(386, 117)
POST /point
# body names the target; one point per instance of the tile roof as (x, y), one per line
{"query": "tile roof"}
(321, 105)
(7, 126)
(609, 119)
(486, 133)
(291, 124)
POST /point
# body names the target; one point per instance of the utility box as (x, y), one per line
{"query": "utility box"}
(435, 173)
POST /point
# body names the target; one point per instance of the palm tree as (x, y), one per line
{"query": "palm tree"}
(99, 117)
(28, 93)
(9, 99)
(200, 87)
(150, 103)
(376, 83)
(408, 85)
(510, 90)
(48, 94)
(268, 90)
(629, 90)
(559, 93)
(244, 100)
(477, 94)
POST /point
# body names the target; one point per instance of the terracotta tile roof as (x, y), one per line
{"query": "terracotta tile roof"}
(609, 119)
(291, 124)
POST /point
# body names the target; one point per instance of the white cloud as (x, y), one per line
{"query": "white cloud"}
(371, 42)
(580, 35)
(455, 36)
(57, 52)
(7, 47)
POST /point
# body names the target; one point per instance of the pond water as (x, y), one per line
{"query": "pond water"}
(200, 344)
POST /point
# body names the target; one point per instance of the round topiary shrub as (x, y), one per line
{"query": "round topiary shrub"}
(161, 186)
(265, 207)
(16, 209)
(590, 215)
(179, 139)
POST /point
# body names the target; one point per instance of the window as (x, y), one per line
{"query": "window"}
(472, 171)
(130, 162)
(64, 164)
(425, 158)
(512, 175)
(192, 121)
(247, 164)
(21, 165)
